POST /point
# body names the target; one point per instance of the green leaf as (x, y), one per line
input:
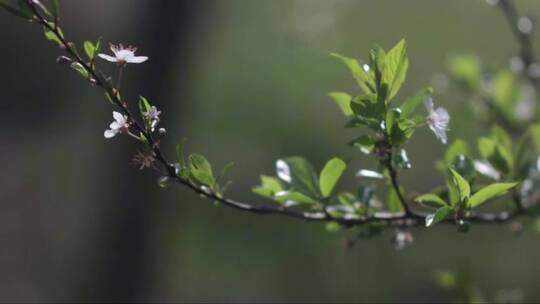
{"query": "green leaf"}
(376, 63)
(466, 69)
(506, 92)
(439, 215)
(366, 107)
(489, 192)
(462, 185)
(225, 171)
(271, 183)
(534, 131)
(294, 198)
(365, 143)
(144, 105)
(26, 14)
(346, 198)
(202, 177)
(55, 8)
(269, 186)
(431, 200)
(303, 176)
(333, 227)
(89, 49)
(361, 77)
(330, 174)
(50, 35)
(393, 202)
(408, 107)
(446, 279)
(395, 68)
(458, 147)
(343, 100)
(464, 165)
(402, 131)
(180, 153)
(201, 170)
(496, 154)
(80, 69)
(500, 136)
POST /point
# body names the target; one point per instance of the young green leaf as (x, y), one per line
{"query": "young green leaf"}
(365, 143)
(393, 202)
(361, 77)
(89, 49)
(144, 105)
(303, 176)
(330, 174)
(402, 130)
(50, 35)
(463, 186)
(293, 198)
(439, 215)
(458, 147)
(500, 136)
(466, 69)
(80, 69)
(506, 92)
(431, 200)
(269, 186)
(366, 106)
(180, 153)
(55, 8)
(201, 170)
(343, 100)
(489, 192)
(225, 171)
(497, 154)
(23, 13)
(408, 107)
(395, 68)
(202, 177)
(534, 131)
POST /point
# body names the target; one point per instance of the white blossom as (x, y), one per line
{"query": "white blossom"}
(123, 55)
(119, 125)
(437, 120)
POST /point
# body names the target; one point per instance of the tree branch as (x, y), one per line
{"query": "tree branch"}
(404, 219)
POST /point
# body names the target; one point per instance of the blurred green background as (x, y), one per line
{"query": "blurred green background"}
(243, 80)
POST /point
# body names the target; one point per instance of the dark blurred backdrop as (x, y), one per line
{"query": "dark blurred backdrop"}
(246, 81)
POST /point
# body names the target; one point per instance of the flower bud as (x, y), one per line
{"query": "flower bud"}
(63, 60)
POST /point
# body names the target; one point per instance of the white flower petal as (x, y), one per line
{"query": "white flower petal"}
(109, 133)
(137, 59)
(107, 57)
(115, 125)
(118, 117)
(442, 115)
(428, 103)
